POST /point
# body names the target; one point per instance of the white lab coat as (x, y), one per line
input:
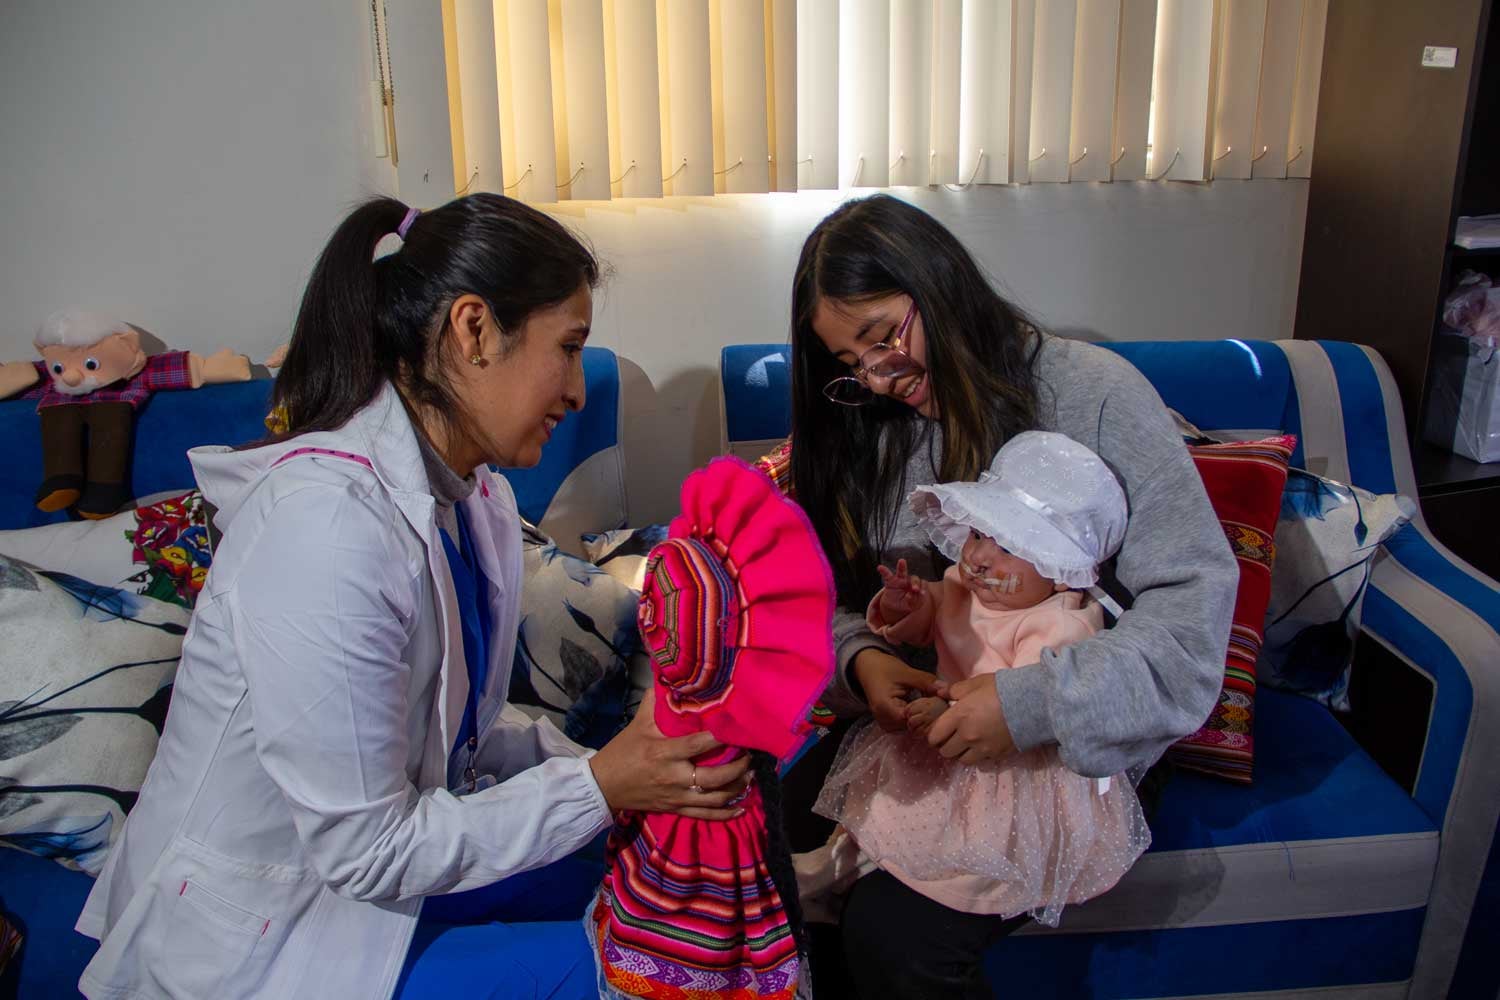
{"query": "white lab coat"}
(297, 810)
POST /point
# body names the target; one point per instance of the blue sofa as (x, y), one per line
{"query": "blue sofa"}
(578, 486)
(1328, 876)
(1325, 877)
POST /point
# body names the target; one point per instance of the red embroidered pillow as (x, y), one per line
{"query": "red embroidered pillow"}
(1244, 480)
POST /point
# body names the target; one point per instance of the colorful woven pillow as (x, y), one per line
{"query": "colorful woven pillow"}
(1244, 481)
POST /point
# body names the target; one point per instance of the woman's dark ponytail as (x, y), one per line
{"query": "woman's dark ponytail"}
(332, 365)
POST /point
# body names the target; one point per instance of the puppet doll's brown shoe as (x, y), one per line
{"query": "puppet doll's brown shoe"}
(101, 500)
(58, 493)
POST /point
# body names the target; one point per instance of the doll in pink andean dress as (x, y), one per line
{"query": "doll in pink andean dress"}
(1023, 834)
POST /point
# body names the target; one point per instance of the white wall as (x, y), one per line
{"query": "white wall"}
(180, 162)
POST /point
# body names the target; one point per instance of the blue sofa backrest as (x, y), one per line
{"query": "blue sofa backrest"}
(1217, 384)
(233, 414)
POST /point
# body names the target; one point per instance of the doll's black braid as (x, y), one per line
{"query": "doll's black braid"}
(778, 848)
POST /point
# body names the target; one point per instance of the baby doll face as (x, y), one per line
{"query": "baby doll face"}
(999, 579)
(78, 371)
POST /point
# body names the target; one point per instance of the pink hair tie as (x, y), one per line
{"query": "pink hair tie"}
(411, 215)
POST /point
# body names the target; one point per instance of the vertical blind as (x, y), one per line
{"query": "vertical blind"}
(558, 100)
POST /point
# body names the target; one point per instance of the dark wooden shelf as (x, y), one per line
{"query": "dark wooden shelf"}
(1440, 471)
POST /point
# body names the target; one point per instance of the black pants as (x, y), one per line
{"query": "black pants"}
(897, 943)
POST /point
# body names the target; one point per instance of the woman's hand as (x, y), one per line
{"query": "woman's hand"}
(642, 770)
(888, 685)
(973, 730)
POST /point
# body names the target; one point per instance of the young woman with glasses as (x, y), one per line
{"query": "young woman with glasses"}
(909, 369)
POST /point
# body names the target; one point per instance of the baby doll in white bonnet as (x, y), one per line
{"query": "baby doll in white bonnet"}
(1023, 834)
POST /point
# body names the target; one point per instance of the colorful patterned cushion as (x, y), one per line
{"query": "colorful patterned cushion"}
(1244, 482)
(83, 696)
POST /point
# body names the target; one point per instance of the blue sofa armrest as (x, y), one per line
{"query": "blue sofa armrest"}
(1442, 618)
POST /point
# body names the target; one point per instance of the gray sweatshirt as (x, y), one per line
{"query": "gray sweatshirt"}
(1116, 701)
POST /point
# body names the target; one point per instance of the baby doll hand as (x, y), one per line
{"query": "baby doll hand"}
(16, 376)
(922, 713)
(902, 594)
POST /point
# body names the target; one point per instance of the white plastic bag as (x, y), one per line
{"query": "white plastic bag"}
(1465, 407)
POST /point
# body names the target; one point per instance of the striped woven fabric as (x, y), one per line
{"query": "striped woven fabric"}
(689, 909)
(1244, 480)
(736, 614)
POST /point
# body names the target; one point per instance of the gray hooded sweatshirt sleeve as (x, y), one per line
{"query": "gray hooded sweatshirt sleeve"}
(1116, 701)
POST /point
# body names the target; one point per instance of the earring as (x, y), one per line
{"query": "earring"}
(476, 360)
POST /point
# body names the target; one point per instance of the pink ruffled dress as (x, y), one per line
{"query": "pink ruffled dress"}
(1022, 835)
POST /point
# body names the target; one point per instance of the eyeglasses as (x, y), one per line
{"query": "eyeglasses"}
(886, 361)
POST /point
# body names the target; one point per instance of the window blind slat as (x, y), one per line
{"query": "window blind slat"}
(474, 33)
(984, 93)
(1241, 48)
(818, 94)
(635, 168)
(911, 91)
(947, 69)
(583, 124)
(1052, 89)
(1299, 152)
(1278, 75)
(781, 91)
(1095, 73)
(737, 39)
(523, 56)
(864, 92)
(1183, 90)
(1023, 44)
(1133, 98)
(687, 133)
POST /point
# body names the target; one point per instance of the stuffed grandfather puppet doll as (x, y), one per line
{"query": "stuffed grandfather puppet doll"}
(97, 377)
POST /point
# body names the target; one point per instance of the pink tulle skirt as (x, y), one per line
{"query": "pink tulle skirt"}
(1023, 835)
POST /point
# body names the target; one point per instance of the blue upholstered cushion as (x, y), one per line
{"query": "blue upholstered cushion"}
(1300, 749)
(44, 899)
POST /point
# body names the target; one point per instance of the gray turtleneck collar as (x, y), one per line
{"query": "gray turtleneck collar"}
(448, 487)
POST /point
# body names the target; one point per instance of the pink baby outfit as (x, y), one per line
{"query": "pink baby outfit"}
(1020, 835)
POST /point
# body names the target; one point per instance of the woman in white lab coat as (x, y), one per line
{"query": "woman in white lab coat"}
(338, 746)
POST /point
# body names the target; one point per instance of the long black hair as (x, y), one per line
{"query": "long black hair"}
(848, 464)
(365, 321)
